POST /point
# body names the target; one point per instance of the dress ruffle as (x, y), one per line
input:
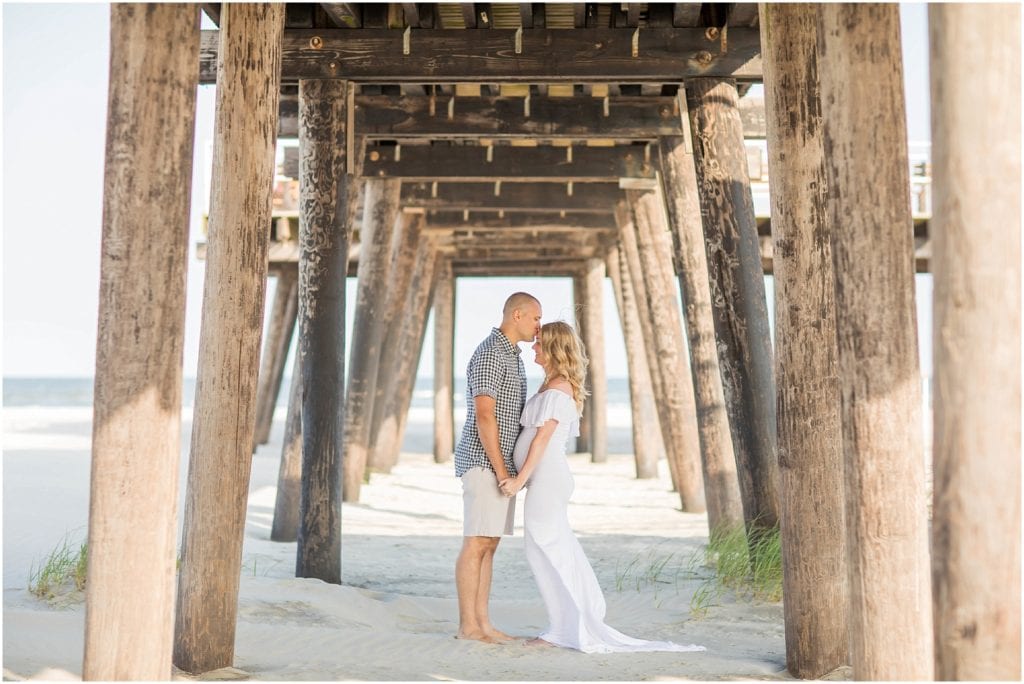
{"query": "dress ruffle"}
(549, 404)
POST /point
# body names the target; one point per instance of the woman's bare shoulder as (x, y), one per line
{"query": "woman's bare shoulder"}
(562, 385)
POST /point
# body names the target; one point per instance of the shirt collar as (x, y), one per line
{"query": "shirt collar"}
(504, 343)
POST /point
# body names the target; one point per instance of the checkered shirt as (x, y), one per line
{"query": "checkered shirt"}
(495, 370)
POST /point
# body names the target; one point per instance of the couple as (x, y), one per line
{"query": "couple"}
(509, 443)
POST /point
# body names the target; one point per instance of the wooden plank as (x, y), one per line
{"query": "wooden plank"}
(814, 570)
(538, 221)
(598, 198)
(229, 346)
(549, 55)
(976, 526)
(137, 421)
(742, 14)
(524, 164)
(738, 295)
(861, 75)
(506, 117)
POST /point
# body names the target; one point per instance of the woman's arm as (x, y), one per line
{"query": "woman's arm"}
(533, 456)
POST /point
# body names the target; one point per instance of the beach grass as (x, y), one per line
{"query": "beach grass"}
(749, 567)
(61, 572)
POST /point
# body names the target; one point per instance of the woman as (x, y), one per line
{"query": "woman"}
(567, 583)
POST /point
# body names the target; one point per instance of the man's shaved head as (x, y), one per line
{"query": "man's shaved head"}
(518, 300)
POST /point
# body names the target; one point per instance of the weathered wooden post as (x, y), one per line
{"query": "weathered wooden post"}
(285, 527)
(326, 170)
(873, 259)
(579, 299)
(380, 209)
(737, 294)
(667, 329)
(648, 447)
(592, 280)
(633, 272)
(444, 352)
(402, 264)
(975, 230)
(283, 314)
(721, 486)
(137, 407)
(409, 344)
(815, 587)
(248, 83)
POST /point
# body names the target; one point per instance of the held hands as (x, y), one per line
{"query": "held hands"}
(510, 486)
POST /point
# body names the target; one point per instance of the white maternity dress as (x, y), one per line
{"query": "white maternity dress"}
(572, 596)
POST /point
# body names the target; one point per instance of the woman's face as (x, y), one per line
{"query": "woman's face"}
(538, 350)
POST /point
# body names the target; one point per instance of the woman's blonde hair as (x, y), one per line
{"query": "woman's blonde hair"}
(566, 357)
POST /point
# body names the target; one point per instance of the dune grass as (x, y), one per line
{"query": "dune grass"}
(61, 572)
(751, 568)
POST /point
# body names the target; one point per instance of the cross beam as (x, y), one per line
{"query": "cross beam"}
(523, 56)
(597, 198)
(513, 164)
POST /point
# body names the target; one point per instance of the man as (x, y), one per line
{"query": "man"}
(495, 394)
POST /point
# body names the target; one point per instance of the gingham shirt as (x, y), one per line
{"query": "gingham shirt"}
(495, 370)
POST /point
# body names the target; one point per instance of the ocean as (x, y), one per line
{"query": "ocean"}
(78, 392)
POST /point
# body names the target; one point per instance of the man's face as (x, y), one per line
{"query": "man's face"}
(528, 325)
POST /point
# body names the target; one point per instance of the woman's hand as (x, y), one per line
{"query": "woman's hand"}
(511, 486)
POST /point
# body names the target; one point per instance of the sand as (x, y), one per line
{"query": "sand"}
(396, 614)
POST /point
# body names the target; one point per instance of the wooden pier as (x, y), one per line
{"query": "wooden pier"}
(430, 142)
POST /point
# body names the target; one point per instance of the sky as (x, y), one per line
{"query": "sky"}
(54, 127)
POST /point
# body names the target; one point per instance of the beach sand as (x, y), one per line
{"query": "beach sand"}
(396, 614)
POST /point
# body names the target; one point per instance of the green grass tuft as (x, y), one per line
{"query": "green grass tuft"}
(752, 568)
(60, 573)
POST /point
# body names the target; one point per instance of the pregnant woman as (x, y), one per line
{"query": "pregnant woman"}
(572, 596)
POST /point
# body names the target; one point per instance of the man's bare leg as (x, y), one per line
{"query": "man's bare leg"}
(467, 583)
(484, 596)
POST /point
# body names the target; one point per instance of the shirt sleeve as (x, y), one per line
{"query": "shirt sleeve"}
(486, 374)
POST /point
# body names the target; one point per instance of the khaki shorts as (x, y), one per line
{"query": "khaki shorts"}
(486, 511)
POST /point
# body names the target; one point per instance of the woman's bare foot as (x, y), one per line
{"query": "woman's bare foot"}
(537, 641)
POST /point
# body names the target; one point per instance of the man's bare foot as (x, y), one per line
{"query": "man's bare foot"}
(537, 641)
(478, 636)
(499, 636)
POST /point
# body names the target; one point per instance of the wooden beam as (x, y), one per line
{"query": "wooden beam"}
(596, 198)
(547, 55)
(324, 236)
(685, 14)
(861, 76)
(515, 164)
(738, 295)
(444, 352)
(528, 222)
(229, 345)
(816, 609)
(516, 117)
(133, 485)
(283, 315)
(560, 267)
(977, 343)
(505, 118)
(285, 527)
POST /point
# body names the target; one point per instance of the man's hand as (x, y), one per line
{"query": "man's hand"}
(510, 486)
